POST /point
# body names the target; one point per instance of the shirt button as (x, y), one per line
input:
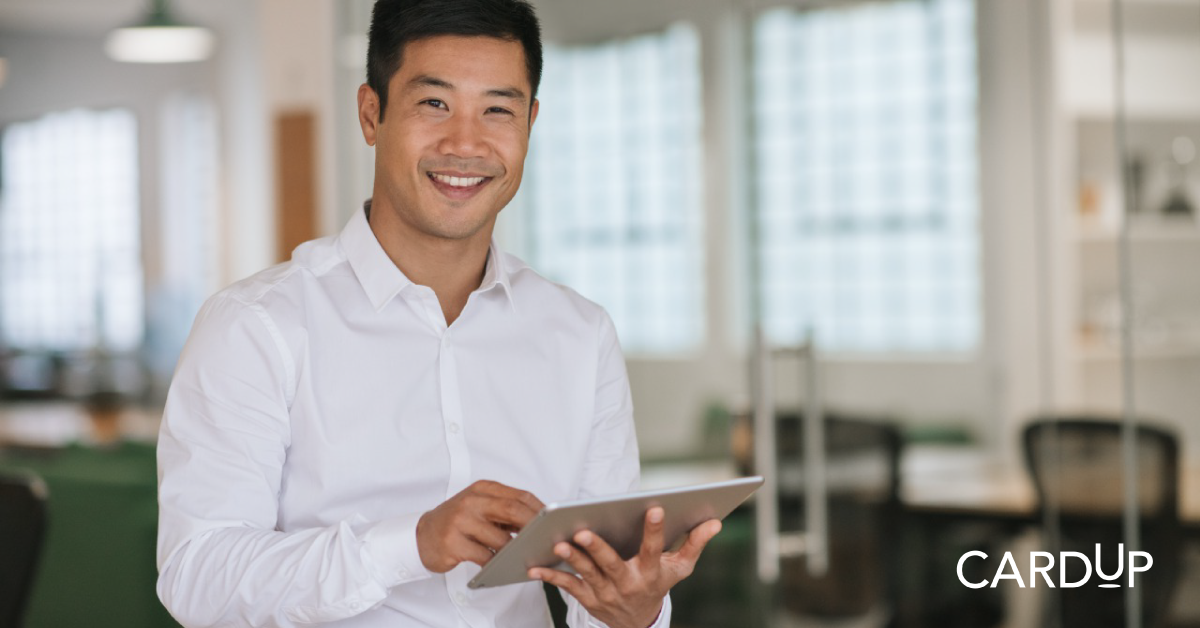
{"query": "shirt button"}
(454, 428)
(460, 599)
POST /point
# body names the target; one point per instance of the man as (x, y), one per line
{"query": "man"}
(350, 435)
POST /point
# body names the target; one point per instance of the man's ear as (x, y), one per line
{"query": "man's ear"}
(533, 111)
(368, 112)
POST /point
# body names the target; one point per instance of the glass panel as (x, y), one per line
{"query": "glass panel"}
(866, 170)
(612, 184)
(1116, 477)
(70, 252)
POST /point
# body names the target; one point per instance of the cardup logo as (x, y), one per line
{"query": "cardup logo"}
(1044, 570)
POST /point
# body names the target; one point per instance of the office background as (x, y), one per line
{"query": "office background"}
(934, 188)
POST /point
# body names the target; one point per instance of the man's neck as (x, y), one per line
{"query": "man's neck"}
(452, 268)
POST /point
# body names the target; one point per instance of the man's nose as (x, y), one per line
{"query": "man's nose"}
(464, 137)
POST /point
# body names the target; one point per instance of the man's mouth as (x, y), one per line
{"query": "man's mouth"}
(458, 182)
(458, 187)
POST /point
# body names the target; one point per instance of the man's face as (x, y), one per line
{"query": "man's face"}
(451, 147)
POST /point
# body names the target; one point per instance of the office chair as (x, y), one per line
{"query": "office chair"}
(863, 474)
(22, 527)
(1076, 464)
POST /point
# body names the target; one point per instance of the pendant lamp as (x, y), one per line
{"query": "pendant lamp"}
(159, 38)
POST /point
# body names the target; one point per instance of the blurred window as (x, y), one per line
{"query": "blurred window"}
(612, 184)
(867, 175)
(70, 254)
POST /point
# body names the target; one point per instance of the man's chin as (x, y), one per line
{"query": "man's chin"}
(456, 231)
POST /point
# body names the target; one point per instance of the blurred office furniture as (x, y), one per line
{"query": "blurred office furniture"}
(811, 539)
(723, 590)
(930, 544)
(863, 488)
(956, 498)
(22, 527)
(98, 561)
(1077, 467)
(30, 375)
(72, 375)
(863, 483)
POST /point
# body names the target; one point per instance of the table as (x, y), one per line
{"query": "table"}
(953, 480)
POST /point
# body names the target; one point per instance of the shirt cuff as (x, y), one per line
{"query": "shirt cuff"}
(663, 621)
(391, 549)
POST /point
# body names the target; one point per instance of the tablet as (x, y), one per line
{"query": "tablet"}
(619, 520)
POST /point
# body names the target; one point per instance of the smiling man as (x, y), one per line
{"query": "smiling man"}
(351, 434)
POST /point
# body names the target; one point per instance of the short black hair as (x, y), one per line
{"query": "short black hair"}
(395, 23)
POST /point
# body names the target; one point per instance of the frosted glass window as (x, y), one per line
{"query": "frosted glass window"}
(70, 253)
(867, 175)
(612, 188)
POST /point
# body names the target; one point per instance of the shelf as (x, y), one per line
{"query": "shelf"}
(1106, 353)
(1183, 230)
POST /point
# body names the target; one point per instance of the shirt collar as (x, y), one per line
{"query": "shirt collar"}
(497, 274)
(380, 277)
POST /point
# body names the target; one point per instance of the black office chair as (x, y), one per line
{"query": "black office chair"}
(863, 484)
(22, 527)
(1077, 467)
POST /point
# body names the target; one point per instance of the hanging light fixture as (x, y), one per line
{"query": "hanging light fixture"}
(159, 38)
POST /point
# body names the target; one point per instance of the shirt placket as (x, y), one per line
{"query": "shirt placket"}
(454, 430)
(452, 418)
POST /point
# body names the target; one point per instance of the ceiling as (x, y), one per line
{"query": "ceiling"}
(67, 16)
(562, 19)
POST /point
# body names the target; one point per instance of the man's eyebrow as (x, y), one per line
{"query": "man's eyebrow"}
(425, 80)
(511, 93)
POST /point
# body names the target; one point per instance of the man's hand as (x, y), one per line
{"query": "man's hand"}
(473, 525)
(627, 593)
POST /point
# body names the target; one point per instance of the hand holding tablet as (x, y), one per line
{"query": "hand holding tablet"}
(626, 588)
(618, 520)
(607, 552)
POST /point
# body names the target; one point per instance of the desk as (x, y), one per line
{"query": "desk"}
(98, 562)
(953, 480)
(954, 499)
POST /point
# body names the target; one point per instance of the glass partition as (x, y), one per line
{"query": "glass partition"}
(1112, 469)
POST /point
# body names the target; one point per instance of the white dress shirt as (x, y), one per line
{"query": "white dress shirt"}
(323, 405)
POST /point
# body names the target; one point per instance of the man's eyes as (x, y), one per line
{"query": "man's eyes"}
(441, 104)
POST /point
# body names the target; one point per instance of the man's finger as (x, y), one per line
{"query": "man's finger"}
(602, 554)
(509, 512)
(697, 539)
(652, 538)
(487, 536)
(503, 491)
(472, 551)
(567, 582)
(582, 564)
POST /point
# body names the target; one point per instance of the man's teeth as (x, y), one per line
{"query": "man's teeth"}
(458, 182)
